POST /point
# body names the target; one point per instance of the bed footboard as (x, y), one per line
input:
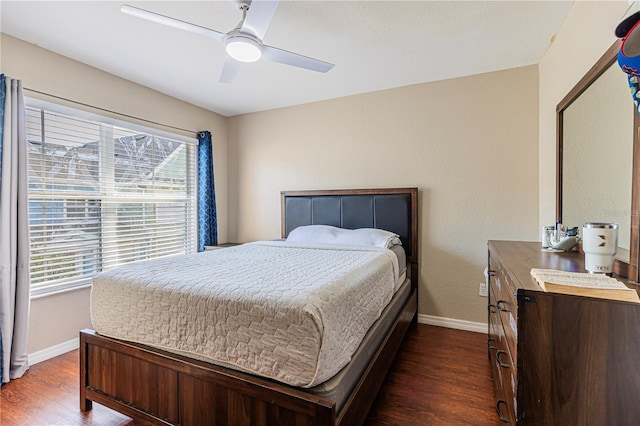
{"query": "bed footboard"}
(162, 388)
(158, 387)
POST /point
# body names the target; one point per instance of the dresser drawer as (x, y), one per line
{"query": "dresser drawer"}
(503, 371)
(496, 333)
(506, 305)
(496, 329)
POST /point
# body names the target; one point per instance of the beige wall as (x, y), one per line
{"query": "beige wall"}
(470, 145)
(585, 35)
(57, 319)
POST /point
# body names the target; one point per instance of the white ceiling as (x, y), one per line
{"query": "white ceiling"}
(374, 44)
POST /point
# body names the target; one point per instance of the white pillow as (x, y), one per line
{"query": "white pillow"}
(325, 234)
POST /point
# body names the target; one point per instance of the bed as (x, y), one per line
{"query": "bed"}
(160, 385)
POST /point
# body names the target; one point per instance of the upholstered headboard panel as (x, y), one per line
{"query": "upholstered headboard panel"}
(392, 209)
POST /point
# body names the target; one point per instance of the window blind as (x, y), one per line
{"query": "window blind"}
(102, 195)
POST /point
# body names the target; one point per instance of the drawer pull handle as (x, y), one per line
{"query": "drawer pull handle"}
(492, 309)
(499, 361)
(500, 305)
(502, 418)
(490, 341)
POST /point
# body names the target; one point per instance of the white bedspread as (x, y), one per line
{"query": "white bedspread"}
(292, 313)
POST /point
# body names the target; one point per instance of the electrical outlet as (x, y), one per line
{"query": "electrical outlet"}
(482, 291)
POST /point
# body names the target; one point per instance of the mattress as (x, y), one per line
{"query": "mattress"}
(402, 259)
(292, 313)
(339, 387)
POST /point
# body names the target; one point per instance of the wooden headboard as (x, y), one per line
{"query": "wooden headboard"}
(391, 209)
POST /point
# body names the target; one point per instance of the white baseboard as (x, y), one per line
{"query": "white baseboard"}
(54, 351)
(476, 327)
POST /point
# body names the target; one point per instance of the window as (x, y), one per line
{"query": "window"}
(104, 194)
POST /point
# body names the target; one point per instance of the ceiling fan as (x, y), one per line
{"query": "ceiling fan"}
(243, 43)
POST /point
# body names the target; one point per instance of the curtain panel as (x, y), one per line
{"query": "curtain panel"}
(207, 221)
(14, 232)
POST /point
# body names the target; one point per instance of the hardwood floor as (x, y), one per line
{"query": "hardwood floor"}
(440, 377)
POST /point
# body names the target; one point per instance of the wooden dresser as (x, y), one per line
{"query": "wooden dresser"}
(559, 359)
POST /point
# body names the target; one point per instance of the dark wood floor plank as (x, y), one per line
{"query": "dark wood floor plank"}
(441, 376)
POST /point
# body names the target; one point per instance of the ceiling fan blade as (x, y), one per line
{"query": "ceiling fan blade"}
(172, 22)
(229, 70)
(259, 16)
(274, 54)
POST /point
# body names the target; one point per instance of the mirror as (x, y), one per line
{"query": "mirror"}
(595, 170)
(597, 156)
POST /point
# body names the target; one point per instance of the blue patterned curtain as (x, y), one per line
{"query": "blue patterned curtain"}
(207, 222)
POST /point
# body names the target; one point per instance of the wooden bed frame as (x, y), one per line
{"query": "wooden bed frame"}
(158, 387)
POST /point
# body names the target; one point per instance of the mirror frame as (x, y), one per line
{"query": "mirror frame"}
(624, 269)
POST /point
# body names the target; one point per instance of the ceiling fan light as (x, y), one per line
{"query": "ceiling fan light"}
(243, 49)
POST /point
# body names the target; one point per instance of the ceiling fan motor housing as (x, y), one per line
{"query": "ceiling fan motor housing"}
(243, 47)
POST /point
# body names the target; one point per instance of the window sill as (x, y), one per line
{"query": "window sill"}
(40, 293)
